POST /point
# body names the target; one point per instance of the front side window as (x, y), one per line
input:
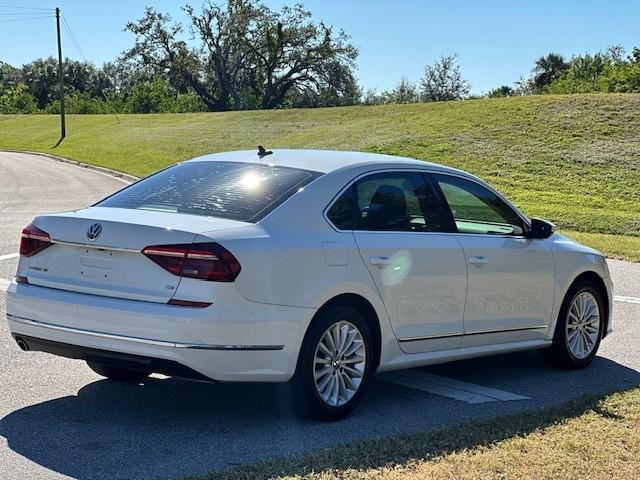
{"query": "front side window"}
(476, 209)
(397, 201)
(234, 190)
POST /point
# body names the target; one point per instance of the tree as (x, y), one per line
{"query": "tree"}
(9, 77)
(151, 97)
(405, 92)
(41, 77)
(503, 91)
(17, 99)
(336, 87)
(547, 69)
(244, 51)
(443, 81)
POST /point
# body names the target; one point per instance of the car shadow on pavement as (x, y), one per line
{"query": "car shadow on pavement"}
(168, 427)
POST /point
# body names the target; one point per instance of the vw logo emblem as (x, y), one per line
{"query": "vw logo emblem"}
(94, 231)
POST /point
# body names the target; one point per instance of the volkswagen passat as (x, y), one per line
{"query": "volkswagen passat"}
(314, 267)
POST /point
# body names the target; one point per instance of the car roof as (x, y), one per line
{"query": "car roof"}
(324, 161)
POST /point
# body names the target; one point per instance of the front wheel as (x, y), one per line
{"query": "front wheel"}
(579, 328)
(334, 365)
(119, 374)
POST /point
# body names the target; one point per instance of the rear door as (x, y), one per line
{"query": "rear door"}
(511, 277)
(418, 267)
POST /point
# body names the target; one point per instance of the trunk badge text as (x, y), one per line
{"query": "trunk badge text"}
(94, 231)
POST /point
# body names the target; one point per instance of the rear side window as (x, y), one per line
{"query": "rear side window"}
(394, 201)
(342, 212)
(238, 191)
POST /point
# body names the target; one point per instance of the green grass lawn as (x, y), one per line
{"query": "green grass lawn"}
(572, 159)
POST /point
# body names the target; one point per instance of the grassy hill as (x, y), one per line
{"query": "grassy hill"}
(572, 159)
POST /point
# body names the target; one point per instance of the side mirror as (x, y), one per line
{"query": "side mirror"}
(540, 229)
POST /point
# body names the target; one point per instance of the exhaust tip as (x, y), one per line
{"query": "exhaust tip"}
(22, 344)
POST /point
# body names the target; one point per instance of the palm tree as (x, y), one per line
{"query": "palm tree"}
(547, 69)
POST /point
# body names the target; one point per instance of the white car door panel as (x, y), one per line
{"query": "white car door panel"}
(511, 290)
(422, 281)
(511, 278)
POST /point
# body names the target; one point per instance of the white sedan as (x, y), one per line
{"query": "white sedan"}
(315, 267)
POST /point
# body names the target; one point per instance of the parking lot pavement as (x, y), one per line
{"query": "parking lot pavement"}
(59, 420)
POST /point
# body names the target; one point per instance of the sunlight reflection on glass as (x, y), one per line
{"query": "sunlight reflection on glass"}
(399, 268)
(250, 181)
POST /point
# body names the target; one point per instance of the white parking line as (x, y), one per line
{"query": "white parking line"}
(448, 387)
(4, 284)
(618, 298)
(9, 256)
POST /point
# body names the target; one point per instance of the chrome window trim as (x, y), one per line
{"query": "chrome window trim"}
(524, 218)
(143, 341)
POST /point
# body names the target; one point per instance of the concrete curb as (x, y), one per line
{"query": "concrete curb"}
(125, 177)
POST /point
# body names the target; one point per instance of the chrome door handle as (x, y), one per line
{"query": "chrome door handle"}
(478, 260)
(380, 262)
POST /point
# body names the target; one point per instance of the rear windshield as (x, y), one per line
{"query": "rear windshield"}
(239, 191)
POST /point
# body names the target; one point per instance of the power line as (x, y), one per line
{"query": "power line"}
(11, 20)
(24, 14)
(76, 44)
(27, 8)
(73, 38)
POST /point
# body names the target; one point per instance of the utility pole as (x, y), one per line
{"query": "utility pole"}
(63, 130)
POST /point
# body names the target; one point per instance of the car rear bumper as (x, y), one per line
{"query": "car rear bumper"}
(115, 359)
(235, 340)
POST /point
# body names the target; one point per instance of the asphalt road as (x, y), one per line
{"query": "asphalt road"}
(59, 420)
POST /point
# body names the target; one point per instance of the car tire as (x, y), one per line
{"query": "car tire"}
(119, 374)
(579, 328)
(329, 382)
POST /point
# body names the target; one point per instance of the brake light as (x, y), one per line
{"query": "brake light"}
(33, 240)
(205, 261)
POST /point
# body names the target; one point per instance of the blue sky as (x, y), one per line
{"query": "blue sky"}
(496, 41)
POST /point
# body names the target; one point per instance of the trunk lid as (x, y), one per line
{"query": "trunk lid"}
(112, 264)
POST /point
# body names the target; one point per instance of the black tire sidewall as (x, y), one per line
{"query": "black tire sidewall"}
(308, 400)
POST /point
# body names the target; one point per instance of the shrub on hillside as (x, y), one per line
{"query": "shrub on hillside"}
(79, 102)
(18, 100)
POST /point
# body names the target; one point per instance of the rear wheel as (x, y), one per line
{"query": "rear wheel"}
(579, 328)
(119, 374)
(334, 365)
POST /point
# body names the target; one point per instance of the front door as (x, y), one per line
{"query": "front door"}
(511, 279)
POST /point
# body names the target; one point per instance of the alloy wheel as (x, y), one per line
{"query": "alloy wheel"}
(583, 325)
(339, 363)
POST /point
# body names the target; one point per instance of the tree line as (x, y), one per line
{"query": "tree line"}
(244, 56)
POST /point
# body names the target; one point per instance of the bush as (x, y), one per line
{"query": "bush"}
(625, 78)
(79, 102)
(150, 97)
(18, 100)
(500, 92)
(188, 102)
(607, 72)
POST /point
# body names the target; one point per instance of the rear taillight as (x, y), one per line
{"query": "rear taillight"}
(205, 261)
(33, 240)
